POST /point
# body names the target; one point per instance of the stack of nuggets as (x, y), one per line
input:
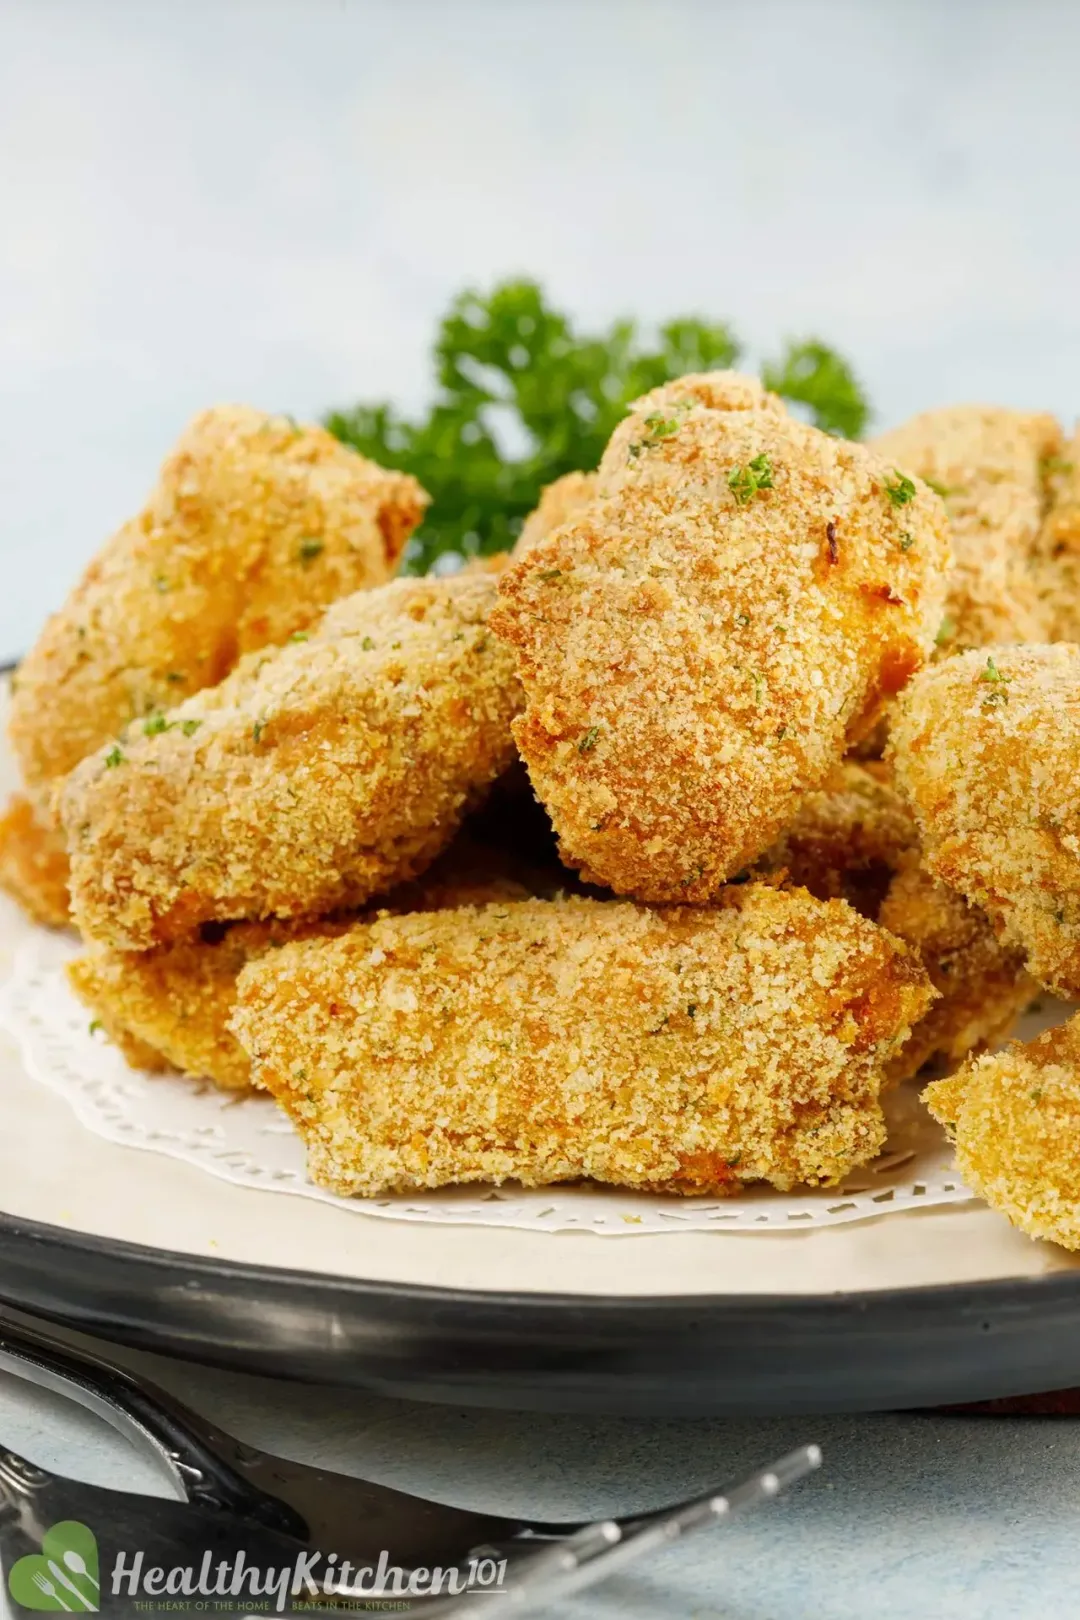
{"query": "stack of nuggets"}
(683, 649)
(254, 525)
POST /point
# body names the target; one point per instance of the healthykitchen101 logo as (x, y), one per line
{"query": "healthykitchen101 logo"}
(64, 1578)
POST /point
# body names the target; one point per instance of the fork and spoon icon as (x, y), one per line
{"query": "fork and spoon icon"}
(77, 1566)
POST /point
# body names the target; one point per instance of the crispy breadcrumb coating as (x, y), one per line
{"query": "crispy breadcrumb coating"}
(699, 649)
(982, 983)
(679, 1049)
(716, 390)
(1014, 1117)
(570, 494)
(987, 750)
(33, 864)
(856, 840)
(177, 1000)
(989, 464)
(254, 526)
(315, 776)
(846, 841)
(1059, 545)
(558, 502)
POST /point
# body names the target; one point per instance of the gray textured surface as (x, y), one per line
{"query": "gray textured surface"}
(912, 1516)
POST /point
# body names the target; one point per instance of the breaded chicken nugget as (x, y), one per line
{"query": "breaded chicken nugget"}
(33, 864)
(568, 495)
(989, 464)
(315, 776)
(681, 1049)
(856, 840)
(1014, 1117)
(846, 841)
(987, 750)
(716, 390)
(254, 526)
(177, 1000)
(981, 982)
(699, 648)
(558, 502)
(1058, 560)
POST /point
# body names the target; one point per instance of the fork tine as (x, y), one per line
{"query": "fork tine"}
(610, 1544)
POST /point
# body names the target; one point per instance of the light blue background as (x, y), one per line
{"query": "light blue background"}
(271, 201)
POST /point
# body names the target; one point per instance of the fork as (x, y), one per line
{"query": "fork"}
(46, 1586)
(234, 1494)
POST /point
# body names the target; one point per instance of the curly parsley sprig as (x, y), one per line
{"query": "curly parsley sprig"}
(522, 396)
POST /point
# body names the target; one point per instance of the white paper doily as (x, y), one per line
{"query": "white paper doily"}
(249, 1142)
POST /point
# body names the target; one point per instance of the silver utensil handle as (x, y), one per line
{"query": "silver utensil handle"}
(193, 1454)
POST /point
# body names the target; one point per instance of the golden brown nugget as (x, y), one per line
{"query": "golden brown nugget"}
(558, 502)
(699, 649)
(315, 776)
(680, 1049)
(1058, 548)
(856, 840)
(986, 748)
(990, 466)
(33, 864)
(254, 526)
(1014, 1117)
(846, 841)
(176, 1001)
(982, 983)
(570, 494)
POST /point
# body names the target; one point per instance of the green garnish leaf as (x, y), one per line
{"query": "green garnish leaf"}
(907, 540)
(938, 489)
(190, 727)
(114, 757)
(300, 635)
(156, 724)
(95, 1025)
(745, 482)
(310, 549)
(814, 376)
(523, 396)
(902, 491)
(946, 631)
(257, 730)
(588, 742)
(998, 681)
